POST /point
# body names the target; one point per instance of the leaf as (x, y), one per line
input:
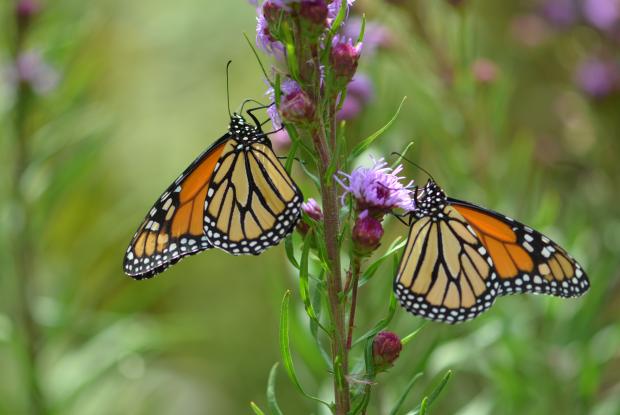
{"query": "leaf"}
(402, 155)
(360, 38)
(291, 54)
(414, 333)
(405, 393)
(367, 142)
(374, 267)
(291, 156)
(342, 14)
(256, 409)
(290, 251)
(381, 324)
(423, 406)
(428, 401)
(271, 391)
(286, 352)
(304, 287)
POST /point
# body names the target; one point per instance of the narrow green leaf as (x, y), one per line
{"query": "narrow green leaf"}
(271, 391)
(304, 287)
(437, 391)
(371, 270)
(424, 405)
(381, 324)
(360, 38)
(403, 154)
(286, 352)
(342, 14)
(256, 409)
(260, 63)
(277, 90)
(291, 156)
(367, 142)
(290, 251)
(291, 54)
(428, 401)
(414, 333)
(402, 398)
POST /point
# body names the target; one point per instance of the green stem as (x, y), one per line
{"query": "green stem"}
(355, 276)
(23, 243)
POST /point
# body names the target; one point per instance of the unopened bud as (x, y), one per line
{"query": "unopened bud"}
(367, 233)
(386, 348)
(297, 107)
(344, 58)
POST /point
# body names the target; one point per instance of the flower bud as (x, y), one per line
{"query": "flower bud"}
(367, 233)
(344, 58)
(313, 210)
(297, 107)
(313, 14)
(272, 11)
(386, 347)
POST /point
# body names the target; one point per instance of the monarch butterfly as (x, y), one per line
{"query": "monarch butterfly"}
(236, 196)
(460, 257)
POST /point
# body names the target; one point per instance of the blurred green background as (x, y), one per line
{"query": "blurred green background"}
(502, 108)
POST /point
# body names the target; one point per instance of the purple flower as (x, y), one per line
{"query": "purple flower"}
(288, 87)
(367, 233)
(598, 78)
(264, 39)
(312, 209)
(603, 14)
(375, 35)
(359, 93)
(30, 69)
(560, 12)
(313, 15)
(344, 57)
(377, 188)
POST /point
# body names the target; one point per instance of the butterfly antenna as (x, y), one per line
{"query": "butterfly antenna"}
(414, 164)
(228, 88)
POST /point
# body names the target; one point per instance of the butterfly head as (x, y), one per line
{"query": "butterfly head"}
(431, 199)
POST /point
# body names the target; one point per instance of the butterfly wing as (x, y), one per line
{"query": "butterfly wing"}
(252, 203)
(174, 226)
(445, 273)
(525, 260)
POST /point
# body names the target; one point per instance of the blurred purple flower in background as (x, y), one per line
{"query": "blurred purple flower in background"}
(359, 93)
(598, 78)
(377, 188)
(561, 13)
(485, 71)
(30, 69)
(375, 35)
(280, 141)
(529, 30)
(603, 14)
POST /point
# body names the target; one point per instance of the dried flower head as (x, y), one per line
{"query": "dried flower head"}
(377, 188)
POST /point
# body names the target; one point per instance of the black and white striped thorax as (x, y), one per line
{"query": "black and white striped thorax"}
(245, 133)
